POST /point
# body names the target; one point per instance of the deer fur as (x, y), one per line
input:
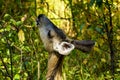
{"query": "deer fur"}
(58, 45)
(55, 66)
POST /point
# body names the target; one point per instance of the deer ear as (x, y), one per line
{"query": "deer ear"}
(64, 48)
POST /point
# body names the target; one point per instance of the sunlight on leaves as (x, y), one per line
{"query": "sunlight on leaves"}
(96, 49)
(24, 18)
(17, 77)
(19, 23)
(118, 37)
(85, 61)
(21, 36)
(7, 16)
(80, 19)
(103, 60)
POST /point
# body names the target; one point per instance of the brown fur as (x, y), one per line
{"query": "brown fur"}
(55, 59)
(50, 36)
(54, 66)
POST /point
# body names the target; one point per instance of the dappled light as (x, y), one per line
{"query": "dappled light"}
(22, 53)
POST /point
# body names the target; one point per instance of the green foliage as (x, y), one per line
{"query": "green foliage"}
(97, 2)
(22, 55)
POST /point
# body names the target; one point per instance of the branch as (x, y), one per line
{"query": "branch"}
(5, 67)
(110, 38)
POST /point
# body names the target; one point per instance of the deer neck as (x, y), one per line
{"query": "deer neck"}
(55, 62)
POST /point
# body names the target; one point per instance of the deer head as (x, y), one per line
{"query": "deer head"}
(58, 45)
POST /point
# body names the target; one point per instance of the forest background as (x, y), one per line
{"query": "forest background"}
(23, 57)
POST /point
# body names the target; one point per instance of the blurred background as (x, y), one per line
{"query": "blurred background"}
(23, 57)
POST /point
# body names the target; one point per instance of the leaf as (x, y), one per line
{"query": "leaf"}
(99, 30)
(19, 23)
(82, 25)
(17, 77)
(8, 27)
(7, 17)
(21, 36)
(24, 18)
(99, 3)
(103, 60)
(118, 37)
(92, 2)
(12, 21)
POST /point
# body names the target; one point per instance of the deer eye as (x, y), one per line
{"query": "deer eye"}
(49, 34)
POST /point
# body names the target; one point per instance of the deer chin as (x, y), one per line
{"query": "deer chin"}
(63, 48)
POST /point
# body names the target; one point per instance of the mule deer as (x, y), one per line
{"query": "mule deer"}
(58, 45)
